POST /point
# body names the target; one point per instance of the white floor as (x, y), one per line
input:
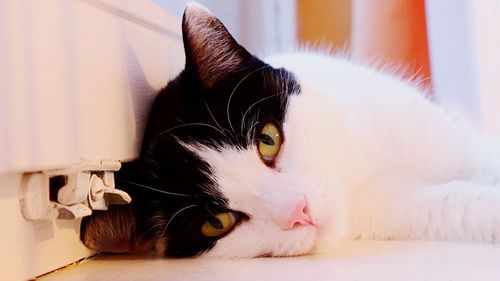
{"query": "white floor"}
(353, 261)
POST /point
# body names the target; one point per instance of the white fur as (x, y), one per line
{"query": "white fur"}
(375, 160)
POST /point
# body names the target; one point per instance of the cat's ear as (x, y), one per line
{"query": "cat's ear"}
(211, 51)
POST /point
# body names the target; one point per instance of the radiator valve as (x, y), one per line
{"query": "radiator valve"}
(71, 193)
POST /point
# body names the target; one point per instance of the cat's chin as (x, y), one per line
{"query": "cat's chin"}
(298, 241)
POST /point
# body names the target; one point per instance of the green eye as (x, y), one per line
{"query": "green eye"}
(269, 142)
(219, 224)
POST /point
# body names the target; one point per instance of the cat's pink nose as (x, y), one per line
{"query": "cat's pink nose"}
(295, 215)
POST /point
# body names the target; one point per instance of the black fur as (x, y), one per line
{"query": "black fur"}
(166, 165)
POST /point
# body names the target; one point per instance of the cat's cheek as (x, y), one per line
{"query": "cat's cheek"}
(261, 238)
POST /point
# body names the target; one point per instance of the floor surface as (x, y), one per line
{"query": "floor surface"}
(352, 261)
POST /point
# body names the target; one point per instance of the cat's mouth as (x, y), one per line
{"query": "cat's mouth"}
(300, 241)
(302, 222)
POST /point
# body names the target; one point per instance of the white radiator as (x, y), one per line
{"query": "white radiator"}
(77, 78)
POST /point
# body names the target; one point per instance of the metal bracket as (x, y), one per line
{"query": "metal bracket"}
(80, 189)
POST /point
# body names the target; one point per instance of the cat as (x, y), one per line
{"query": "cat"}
(290, 155)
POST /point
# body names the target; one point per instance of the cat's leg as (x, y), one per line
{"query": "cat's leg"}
(457, 210)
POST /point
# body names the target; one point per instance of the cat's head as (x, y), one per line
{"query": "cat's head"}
(224, 170)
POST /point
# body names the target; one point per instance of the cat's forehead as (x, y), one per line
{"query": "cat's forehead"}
(263, 90)
(229, 112)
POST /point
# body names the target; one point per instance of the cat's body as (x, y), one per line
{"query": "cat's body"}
(385, 145)
(293, 158)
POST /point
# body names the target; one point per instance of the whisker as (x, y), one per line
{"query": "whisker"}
(251, 106)
(154, 189)
(251, 131)
(254, 129)
(215, 120)
(234, 90)
(172, 218)
(192, 124)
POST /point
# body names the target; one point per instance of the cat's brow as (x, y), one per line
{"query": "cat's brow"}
(251, 130)
(251, 106)
(236, 87)
(208, 210)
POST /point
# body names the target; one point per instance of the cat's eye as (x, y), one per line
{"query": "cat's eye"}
(269, 142)
(219, 224)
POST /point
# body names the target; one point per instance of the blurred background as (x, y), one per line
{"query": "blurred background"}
(391, 30)
(449, 47)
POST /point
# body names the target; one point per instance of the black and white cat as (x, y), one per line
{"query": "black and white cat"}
(289, 155)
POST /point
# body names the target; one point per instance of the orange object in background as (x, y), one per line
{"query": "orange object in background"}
(388, 30)
(324, 23)
(393, 30)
